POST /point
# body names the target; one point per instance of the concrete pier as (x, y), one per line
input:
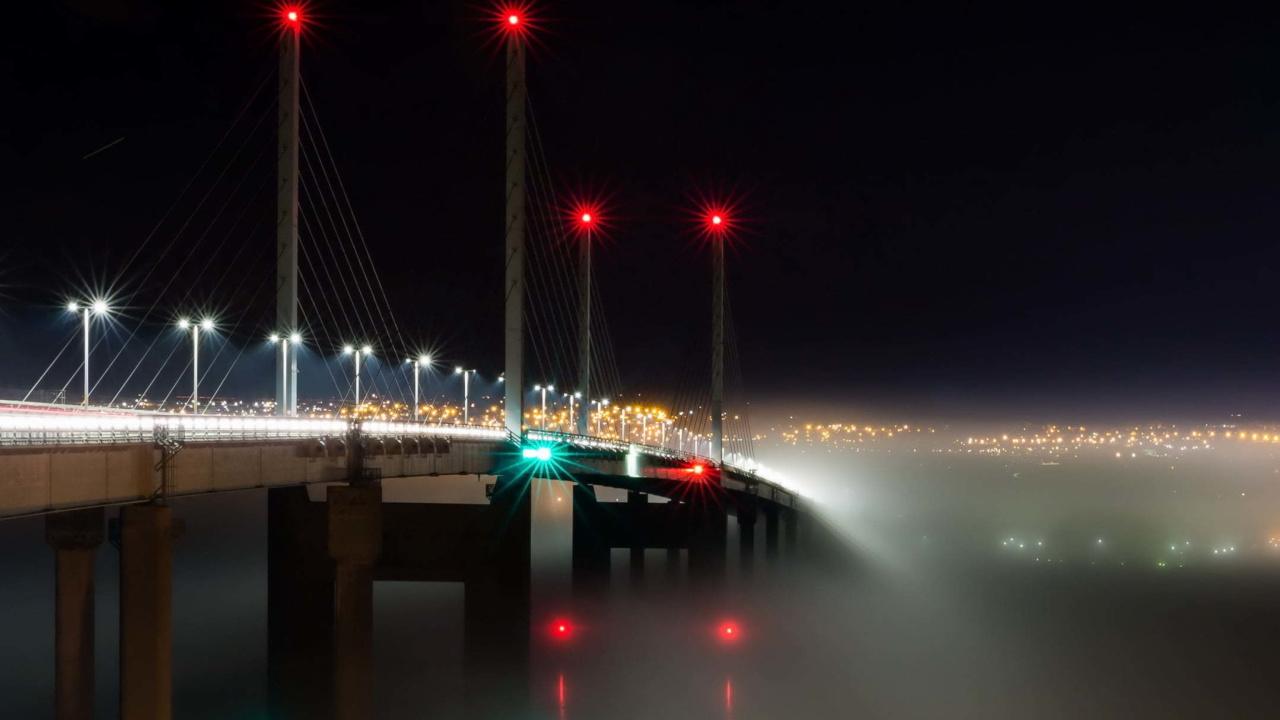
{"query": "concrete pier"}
(74, 536)
(355, 542)
(299, 606)
(747, 514)
(771, 520)
(497, 606)
(146, 612)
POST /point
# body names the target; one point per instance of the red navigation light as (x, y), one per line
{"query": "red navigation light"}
(729, 631)
(716, 219)
(586, 218)
(513, 19)
(292, 15)
(561, 629)
(697, 469)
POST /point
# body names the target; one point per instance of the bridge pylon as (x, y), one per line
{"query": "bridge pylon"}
(287, 140)
(514, 288)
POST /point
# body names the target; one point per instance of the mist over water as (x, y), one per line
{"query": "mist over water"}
(971, 586)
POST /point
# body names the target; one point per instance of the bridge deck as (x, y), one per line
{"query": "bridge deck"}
(55, 461)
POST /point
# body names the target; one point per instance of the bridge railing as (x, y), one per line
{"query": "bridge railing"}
(746, 479)
(97, 429)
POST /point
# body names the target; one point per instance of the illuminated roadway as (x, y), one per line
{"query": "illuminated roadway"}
(55, 457)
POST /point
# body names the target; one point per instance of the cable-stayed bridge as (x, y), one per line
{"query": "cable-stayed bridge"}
(332, 316)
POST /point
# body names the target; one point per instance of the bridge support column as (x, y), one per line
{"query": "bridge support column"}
(355, 542)
(74, 537)
(590, 553)
(707, 543)
(771, 520)
(497, 605)
(746, 536)
(146, 612)
(299, 606)
(636, 503)
(790, 530)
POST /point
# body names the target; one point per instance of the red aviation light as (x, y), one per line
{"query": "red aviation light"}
(586, 214)
(292, 17)
(514, 19)
(729, 632)
(717, 218)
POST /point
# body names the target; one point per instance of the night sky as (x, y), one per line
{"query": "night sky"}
(945, 207)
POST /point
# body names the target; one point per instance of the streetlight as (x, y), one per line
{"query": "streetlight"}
(195, 329)
(544, 389)
(97, 307)
(285, 342)
(600, 406)
(466, 393)
(366, 350)
(575, 396)
(418, 364)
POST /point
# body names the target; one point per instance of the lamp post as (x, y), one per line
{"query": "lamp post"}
(600, 406)
(366, 350)
(543, 389)
(285, 341)
(97, 307)
(466, 393)
(572, 427)
(418, 364)
(195, 329)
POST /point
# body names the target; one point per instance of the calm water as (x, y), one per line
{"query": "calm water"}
(972, 588)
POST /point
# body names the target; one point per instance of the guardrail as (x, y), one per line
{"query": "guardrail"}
(38, 429)
(751, 476)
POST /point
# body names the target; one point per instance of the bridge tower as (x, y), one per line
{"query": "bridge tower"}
(287, 210)
(517, 100)
(717, 225)
(585, 219)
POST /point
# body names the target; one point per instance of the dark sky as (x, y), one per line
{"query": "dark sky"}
(946, 205)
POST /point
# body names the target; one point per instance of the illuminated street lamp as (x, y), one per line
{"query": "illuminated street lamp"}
(600, 406)
(421, 362)
(195, 329)
(366, 351)
(572, 427)
(543, 389)
(97, 307)
(466, 392)
(294, 339)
